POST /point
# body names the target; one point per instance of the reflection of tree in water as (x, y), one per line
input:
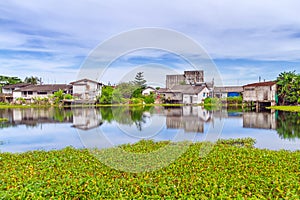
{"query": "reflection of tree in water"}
(126, 115)
(288, 125)
(61, 114)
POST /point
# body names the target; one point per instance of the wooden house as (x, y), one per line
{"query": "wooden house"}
(262, 93)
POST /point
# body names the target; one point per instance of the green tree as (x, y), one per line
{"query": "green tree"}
(126, 89)
(106, 95)
(33, 80)
(6, 80)
(139, 80)
(288, 87)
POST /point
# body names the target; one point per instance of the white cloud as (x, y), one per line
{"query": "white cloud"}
(268, 30)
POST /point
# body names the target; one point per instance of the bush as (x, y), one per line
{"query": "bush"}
(234, 100)
(149, 99)
(137, 101)
(68, 96)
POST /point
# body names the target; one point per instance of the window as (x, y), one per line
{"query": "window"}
(203, 94)
(42, 93)
(29, 92)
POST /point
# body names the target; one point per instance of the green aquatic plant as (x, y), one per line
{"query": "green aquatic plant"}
(233, 169)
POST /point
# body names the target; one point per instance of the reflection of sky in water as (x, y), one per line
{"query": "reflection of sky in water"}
(42, 137)
(49, 136)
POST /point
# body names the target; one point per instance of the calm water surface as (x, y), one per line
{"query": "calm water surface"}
(53, 128)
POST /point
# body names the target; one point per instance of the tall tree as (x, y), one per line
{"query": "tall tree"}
(139, 80)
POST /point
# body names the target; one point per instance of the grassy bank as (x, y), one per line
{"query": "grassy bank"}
(233, 169)
(286, 108)
(24, 106)
(83, 105)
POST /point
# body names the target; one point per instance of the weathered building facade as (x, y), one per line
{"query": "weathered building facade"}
(187, 94)
(260, 93)
(189, 78)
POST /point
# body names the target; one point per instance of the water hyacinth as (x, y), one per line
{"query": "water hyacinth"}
(232, 169)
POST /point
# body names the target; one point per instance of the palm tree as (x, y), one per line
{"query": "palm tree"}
(33, 80)
(288, 87)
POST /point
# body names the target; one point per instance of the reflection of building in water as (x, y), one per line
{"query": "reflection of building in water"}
(262, 120)
(86, 119)
(189, 118)
(33, 117)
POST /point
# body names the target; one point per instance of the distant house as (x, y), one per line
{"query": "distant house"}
(32, 91)
(262, 92)
(86, 89)
(227, 91)
(186, 94)
(8, 89)
(148, 90)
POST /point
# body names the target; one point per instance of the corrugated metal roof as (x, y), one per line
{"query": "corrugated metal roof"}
(268, 83)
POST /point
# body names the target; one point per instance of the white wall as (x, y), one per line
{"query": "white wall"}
(87, 90)
(6, 91)
(203, 95)
(17, 94)
(147, 91)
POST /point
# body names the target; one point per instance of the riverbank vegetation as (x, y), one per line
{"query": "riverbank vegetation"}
(127, 93)
(232, 169)
(286, 108)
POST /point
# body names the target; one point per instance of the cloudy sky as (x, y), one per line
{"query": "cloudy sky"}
(52, 39)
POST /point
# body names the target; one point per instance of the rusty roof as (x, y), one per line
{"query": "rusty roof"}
(260, 84)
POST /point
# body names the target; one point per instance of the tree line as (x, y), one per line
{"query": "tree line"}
(127, 92)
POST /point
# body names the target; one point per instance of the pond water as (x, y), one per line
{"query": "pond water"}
(53, 128)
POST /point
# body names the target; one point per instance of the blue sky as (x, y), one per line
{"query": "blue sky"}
(52, 39)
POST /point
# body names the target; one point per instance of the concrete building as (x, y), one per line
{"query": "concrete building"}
(188, 78)
(186, 94)
(86, 90)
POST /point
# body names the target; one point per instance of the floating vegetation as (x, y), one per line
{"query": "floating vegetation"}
(232, 169)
